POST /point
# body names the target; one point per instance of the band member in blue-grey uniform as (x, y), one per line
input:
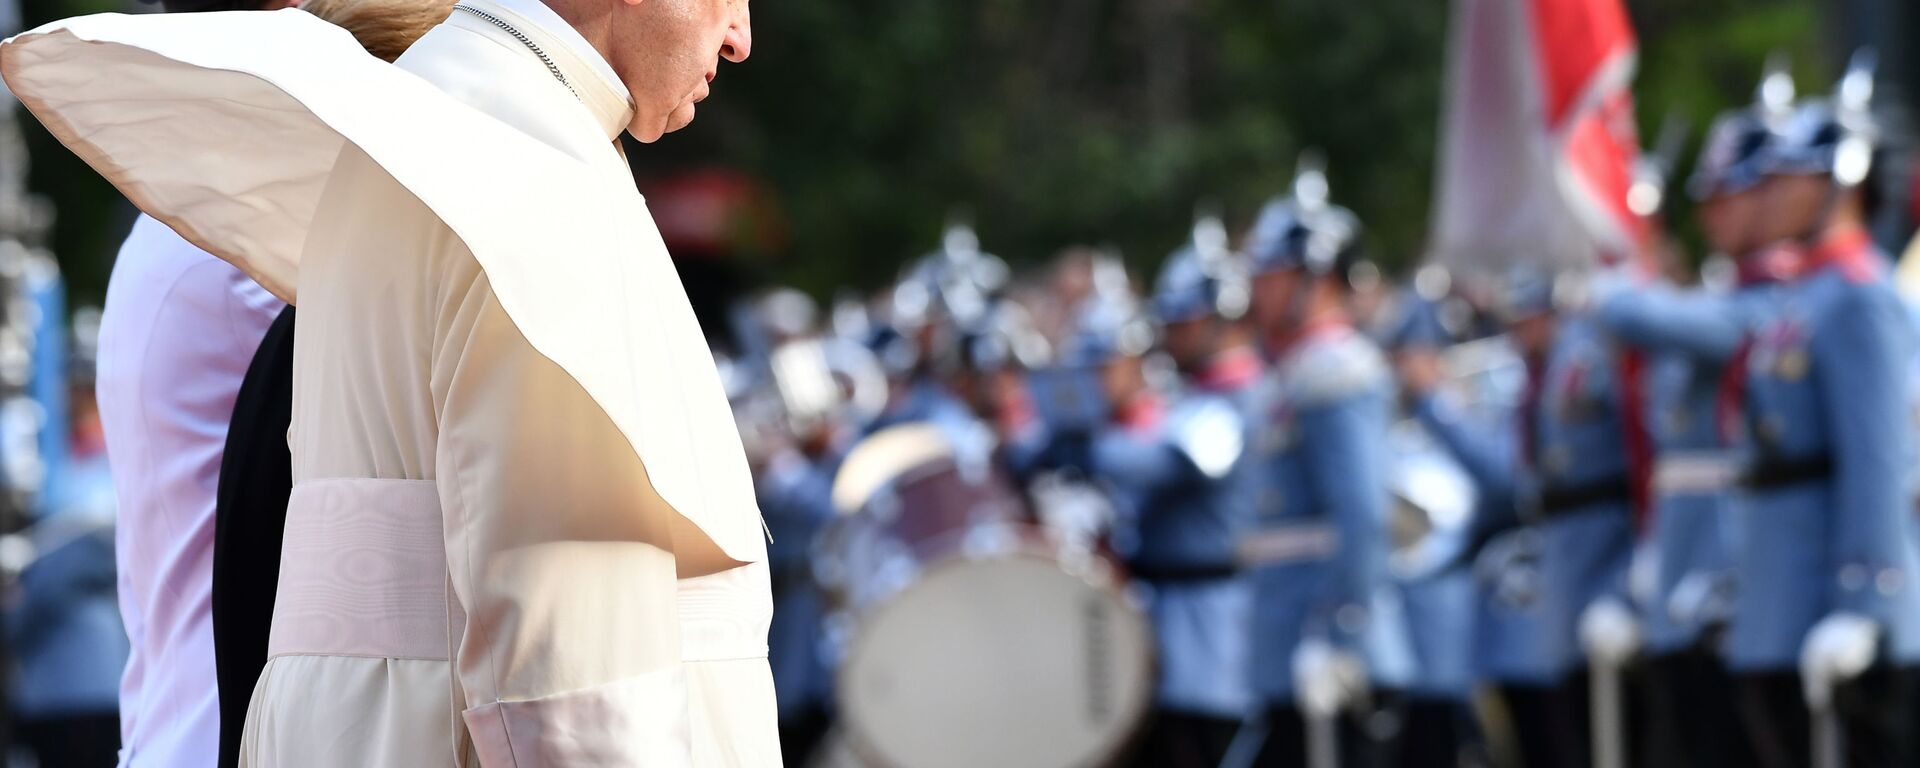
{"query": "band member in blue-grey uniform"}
(1177, 479)
(1828, 609)
(1435, 583)
(937, 300)
(1690, 337)
(795, 489)
(1187, 498)
(1328, 629)
(794, 447)
(1568, 472)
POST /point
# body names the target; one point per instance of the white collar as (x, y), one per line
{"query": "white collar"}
(537, 12)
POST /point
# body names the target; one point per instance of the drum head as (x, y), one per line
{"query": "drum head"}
(1000, 661)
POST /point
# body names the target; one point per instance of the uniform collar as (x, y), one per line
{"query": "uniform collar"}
(1144, 411)
(1773, 264)
(592, 78)
(1849, 250)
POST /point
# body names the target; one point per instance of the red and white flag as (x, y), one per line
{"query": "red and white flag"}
(1538, 144)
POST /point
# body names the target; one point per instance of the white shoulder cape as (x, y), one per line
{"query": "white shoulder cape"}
(254, 108)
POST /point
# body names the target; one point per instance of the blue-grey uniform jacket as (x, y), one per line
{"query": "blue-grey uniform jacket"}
(1828, 527)
(1320, 545)
(64, 624)
(1689, 338)
(1181, 488)
(1560, 480)
(796, 497)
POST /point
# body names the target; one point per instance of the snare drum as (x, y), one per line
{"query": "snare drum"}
(976, 638)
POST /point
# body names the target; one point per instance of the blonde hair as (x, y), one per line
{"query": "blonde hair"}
(384, 27)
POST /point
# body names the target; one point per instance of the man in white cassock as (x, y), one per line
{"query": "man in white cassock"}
(522, 532)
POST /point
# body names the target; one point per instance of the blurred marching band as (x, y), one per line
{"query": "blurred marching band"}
(63, 640)
(1275, 508)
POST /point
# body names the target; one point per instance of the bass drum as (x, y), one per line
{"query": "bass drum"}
(976, 638)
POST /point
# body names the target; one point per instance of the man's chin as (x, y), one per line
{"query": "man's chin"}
(652, 132)
(680, 118)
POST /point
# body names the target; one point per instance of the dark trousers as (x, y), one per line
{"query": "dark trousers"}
(1691, 717)
(1549, 723)
(1173, 739)
(256, 477)
(1366, 738)
(802, 733)
(1434, 733)
(73, 741)
(1876, 711)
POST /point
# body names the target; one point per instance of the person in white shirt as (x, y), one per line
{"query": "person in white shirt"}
(177, 333)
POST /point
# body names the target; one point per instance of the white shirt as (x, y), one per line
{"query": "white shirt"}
(179, 330)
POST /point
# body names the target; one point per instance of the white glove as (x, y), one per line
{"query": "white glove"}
(1643, 574)
(1609, 632)
(1326, 678)
(1838, 649)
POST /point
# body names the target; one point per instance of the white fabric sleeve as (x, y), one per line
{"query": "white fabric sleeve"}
(559, 551)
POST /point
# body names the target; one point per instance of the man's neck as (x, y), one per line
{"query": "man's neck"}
(1846, 221)
(594, 22)
(587, 33)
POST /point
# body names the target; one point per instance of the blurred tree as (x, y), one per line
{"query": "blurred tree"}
(1098, 121)
(90, 218)
(1081, 121)
(1700, 57)
(1106, 121)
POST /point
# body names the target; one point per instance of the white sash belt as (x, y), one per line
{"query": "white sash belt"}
(363, 571)
(1694, 474)
(1288, 544)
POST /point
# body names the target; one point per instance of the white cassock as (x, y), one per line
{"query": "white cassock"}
(509, 441)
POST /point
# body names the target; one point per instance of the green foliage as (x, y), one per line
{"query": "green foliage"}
(1072, 121)
(1700, 57)
(1106, 121)
(90, 218)
(1055, 122)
